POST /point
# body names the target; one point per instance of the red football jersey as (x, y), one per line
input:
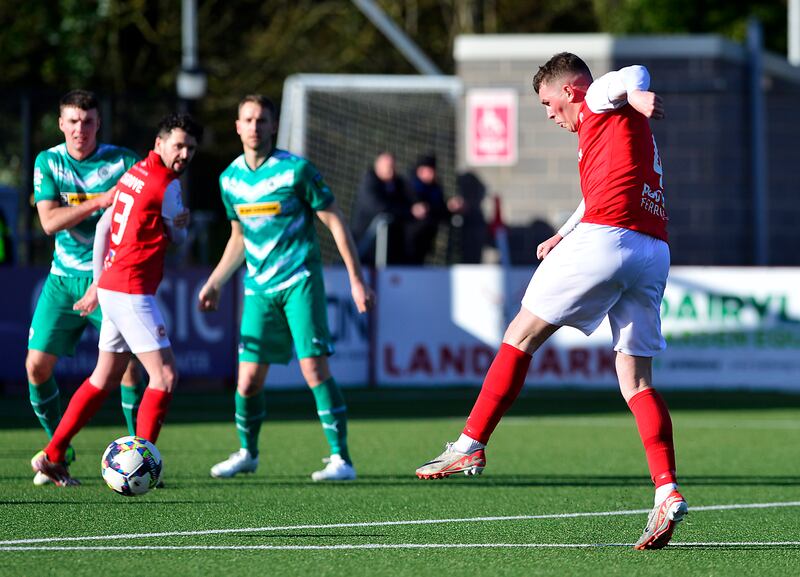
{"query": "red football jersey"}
(620, 169)
(134, 263)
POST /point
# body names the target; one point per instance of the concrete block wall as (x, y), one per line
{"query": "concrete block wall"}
(704, 142)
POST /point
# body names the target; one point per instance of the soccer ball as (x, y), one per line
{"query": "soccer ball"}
(131, 466)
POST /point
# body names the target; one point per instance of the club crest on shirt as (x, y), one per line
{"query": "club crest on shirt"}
(109, 260)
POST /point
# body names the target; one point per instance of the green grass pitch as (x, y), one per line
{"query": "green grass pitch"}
(555, 455)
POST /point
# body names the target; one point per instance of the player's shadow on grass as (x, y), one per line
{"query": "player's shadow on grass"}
(121, 502)
(411, 404)
(727, 547)
(499, 480)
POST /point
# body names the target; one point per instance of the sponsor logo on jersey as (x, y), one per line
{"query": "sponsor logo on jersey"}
(161, 331)
(253, 209)
(77, 198)
(653, 201)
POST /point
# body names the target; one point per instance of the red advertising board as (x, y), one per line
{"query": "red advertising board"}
(491, 127)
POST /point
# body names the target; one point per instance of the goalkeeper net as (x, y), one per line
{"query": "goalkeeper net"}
(342, 122)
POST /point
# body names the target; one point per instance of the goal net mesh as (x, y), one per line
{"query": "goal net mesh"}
(346, 129)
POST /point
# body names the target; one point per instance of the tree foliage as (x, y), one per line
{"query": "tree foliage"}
(726, 17)
(246, 45)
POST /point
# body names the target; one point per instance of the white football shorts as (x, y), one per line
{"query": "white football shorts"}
(599, 270)
(131, 323)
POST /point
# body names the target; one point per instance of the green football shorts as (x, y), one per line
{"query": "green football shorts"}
(56, 328)
(272, 322)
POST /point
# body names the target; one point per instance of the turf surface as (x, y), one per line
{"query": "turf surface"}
(554, 454)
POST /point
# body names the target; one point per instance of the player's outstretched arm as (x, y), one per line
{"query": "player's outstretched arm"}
(612, 90)
(647, 103)
(232, 258)
(55, 217)
(331, 216)
(545, 247)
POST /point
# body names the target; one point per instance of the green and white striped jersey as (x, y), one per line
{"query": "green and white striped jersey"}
(275, 205)
(58, 176)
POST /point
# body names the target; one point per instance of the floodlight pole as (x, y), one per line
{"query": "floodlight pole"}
(398, 38)
(794, 32)
(191, 81)
(758, 144)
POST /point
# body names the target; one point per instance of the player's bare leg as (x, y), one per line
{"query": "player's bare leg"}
(163, 373)
(655, 428)
(332, 413)
(250, 412)
(502, 385)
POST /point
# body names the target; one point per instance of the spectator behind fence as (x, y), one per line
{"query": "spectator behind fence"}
(428, 209)
(382, 194)
(474, 232)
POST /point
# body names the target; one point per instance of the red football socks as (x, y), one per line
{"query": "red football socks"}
(502, 385)
(152, 411)
(83, 405)
(655, 428)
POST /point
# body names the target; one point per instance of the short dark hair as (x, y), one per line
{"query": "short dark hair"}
(560, 65)
(82, 99)
(428, 160)
(262, 101)
(183, 121)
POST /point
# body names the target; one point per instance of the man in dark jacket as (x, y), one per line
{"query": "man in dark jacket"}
(382, 195)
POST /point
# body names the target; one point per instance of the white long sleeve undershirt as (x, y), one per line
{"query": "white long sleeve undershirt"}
(611, 90)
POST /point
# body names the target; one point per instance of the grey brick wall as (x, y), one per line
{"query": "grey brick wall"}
(704, 142)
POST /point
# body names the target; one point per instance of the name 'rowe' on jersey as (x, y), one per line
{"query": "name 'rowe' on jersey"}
(57, 176)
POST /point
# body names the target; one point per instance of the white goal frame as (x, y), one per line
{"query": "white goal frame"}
(292, 124)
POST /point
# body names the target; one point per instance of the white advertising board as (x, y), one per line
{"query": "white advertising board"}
(725, 328)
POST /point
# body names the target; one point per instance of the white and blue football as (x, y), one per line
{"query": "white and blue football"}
(131, 466)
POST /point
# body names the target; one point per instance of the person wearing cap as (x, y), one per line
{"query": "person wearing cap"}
(428, 209)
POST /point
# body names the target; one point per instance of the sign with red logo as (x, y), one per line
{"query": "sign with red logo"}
(491, 127)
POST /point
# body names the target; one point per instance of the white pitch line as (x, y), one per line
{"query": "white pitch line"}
(386, 546)
(384, 524)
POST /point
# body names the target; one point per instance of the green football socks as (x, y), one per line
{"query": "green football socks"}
(131, 397)
(46, 403)
(333, 416)
(250, 413)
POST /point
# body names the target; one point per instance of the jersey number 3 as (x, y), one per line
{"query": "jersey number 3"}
(121, 218)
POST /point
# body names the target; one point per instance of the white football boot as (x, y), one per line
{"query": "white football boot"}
(336, 469)
(40, 478)
(451, 462)
(239, 462)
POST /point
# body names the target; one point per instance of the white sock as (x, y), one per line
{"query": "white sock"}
(467, 444)
(663, 492)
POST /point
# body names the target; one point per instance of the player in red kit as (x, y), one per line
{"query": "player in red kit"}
(610, 259)
(131, 239)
